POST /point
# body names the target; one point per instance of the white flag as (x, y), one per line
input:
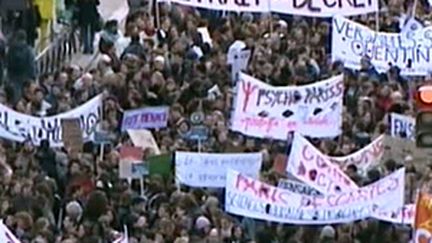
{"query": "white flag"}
(411, 24)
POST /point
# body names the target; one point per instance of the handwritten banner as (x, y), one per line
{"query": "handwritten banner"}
(148, 117)
(324, 8)
(227, 5)
(404, 215)
(410, 51)
(20, 127)
(298, 187)
(365, 158)
(264, 111)
(251, 198)
(313, 8)
(309, 165)
(402, 126)
(209, 170)
(6, 235)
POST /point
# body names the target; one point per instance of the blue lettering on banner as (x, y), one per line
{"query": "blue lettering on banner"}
(241, 3)
(410, 48)
(48, 128)
(240, 201)
(403, 129)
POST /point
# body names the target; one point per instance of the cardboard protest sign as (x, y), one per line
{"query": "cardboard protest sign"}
(423, 219)
(21, 127)
(261, 110)
(72, 134)
(209, 170)
(324, 8)
(144, 139)
(131, 164)
(249, 197)
(161, 165)
(402, 126)
(148, 117)
(410, 52)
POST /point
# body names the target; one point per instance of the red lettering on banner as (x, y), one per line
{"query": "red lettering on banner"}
(248, 89)
(261, 190)
(367, 155)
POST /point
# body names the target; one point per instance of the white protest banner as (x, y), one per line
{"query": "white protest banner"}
(324, 8)
(403, 215)
(402, 126)
(20, 127)
(6, 235)
(365, 158)
(409, 51)
(147, 117)
(209, 170)
(298, 187)
(144, 139)
(227, 5)
(264, 111)
(309, 165)
(248, 197)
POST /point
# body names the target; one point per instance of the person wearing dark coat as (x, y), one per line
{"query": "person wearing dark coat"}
(88, 19)
(21, 64)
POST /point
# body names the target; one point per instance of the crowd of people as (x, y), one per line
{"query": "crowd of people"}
(51, 195)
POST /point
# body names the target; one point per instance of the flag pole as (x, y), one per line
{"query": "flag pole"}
(377, 22)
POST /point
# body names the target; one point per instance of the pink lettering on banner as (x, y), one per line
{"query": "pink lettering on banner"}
(368, 193)
(367, 156)
(325, 173)
(247, 89)
(261, 122)
(261, 190)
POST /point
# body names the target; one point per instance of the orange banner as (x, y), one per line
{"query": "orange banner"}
(423, 219)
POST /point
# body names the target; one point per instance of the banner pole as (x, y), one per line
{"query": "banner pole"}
(199, 145)
(142, 186)
(377, 22)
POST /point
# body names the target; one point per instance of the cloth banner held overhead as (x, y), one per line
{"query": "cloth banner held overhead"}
(324, 8)
(6, 235)
(248, 197)
(312, 8)
(209, 170)
(148, 117)
(402, 126)
(21, 127)
(264, 111)
(227, 5)
(410, 52)
(364, 159)
(315, 169)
